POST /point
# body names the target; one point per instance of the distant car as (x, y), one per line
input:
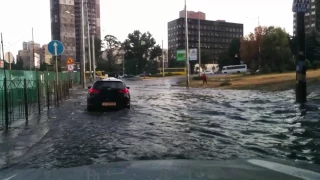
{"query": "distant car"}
(208, 72)
(108, 93)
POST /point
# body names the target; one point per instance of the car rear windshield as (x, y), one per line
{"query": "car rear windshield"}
(108, 84)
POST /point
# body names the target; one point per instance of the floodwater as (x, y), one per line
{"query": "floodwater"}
(170, 122)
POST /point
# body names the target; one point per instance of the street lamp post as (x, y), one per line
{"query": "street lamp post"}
(199, 45)
(89, 45)
(186, 43)
(83, 47)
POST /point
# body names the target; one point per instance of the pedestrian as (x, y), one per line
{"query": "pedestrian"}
(204, 79)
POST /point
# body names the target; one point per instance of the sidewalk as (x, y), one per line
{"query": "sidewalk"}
(21, 137)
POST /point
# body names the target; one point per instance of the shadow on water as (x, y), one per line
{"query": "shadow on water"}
(169, 122)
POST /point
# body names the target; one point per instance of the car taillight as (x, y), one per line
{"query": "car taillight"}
(93, 91)
(124, 91)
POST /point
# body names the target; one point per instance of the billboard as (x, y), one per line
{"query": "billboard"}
(181, 55)
(193, 54)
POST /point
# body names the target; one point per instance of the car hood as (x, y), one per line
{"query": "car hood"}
(175, 169)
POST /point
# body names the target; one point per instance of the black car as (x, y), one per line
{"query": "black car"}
(108, 93)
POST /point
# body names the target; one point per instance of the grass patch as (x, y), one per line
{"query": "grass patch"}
(264, 82)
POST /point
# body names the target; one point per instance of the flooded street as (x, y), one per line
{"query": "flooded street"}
(170, 122)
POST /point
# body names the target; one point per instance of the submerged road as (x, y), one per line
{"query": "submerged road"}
(170, 122)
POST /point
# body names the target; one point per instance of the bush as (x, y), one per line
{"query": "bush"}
(198, 78)
(265, 69)
(308, 64)
(225, 83)
(316, 64)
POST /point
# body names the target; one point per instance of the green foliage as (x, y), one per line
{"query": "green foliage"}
(265, 69)
(197, 78)
(225, 83)
(316, 64)
(141, 47)
(308, 64)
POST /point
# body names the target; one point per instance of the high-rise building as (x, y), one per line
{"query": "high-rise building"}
(91, 16)
(311, 19)
(216, 36)
(63, 27)
(66, 25)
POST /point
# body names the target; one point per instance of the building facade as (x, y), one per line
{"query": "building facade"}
(92, 18)
(216, 36)
(311, 19)
(26, 54)
(63, 27)
(66, 25)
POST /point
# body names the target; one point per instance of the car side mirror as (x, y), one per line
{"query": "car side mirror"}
(128, 87)
(89, 87)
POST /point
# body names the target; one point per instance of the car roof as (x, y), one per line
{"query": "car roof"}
(111, 79)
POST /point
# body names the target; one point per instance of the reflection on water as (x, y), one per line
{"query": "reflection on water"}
(168, 122)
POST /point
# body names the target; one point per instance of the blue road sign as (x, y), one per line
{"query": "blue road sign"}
(55, 48)
(301, 5)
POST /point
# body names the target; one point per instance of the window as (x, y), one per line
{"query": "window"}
(100, 85)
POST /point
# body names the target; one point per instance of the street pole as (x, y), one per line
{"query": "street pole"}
(259, 54)
(6, 103)
(123, 69)
(83, 47)
(301, 85)
(162, 60)
(32, 49)
(93, 57)
(186, 44)
(199, 45)
(89, 46)
(4, 67)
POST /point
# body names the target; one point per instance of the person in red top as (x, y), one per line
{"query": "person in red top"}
(204, 79)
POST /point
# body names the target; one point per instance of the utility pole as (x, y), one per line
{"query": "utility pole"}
(89, 46)
(6, 103)
(93, 57)
(83, 47)
(199, 45)
(32, 50)
(162, 60)
(186, 44)
(300, 8)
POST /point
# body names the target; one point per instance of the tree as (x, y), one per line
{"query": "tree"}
(18, 65)
(98, 45)
(313, 46)
(268, 46)
(113, 52)
(141, 47)
(275, 50)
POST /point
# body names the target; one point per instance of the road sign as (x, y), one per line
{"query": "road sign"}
(301, 5)
(70, 67)
(70, 61)
(55, 48)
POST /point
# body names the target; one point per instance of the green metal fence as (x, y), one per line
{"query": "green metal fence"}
(24, 93)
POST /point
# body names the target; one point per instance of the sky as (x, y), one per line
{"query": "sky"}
(121, 17)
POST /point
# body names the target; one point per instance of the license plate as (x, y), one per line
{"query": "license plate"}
(109, 104)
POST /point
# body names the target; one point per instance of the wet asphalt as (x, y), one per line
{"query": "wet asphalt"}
(169, 122)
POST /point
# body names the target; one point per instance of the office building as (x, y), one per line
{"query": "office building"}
(216, 36)
(311, 19)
